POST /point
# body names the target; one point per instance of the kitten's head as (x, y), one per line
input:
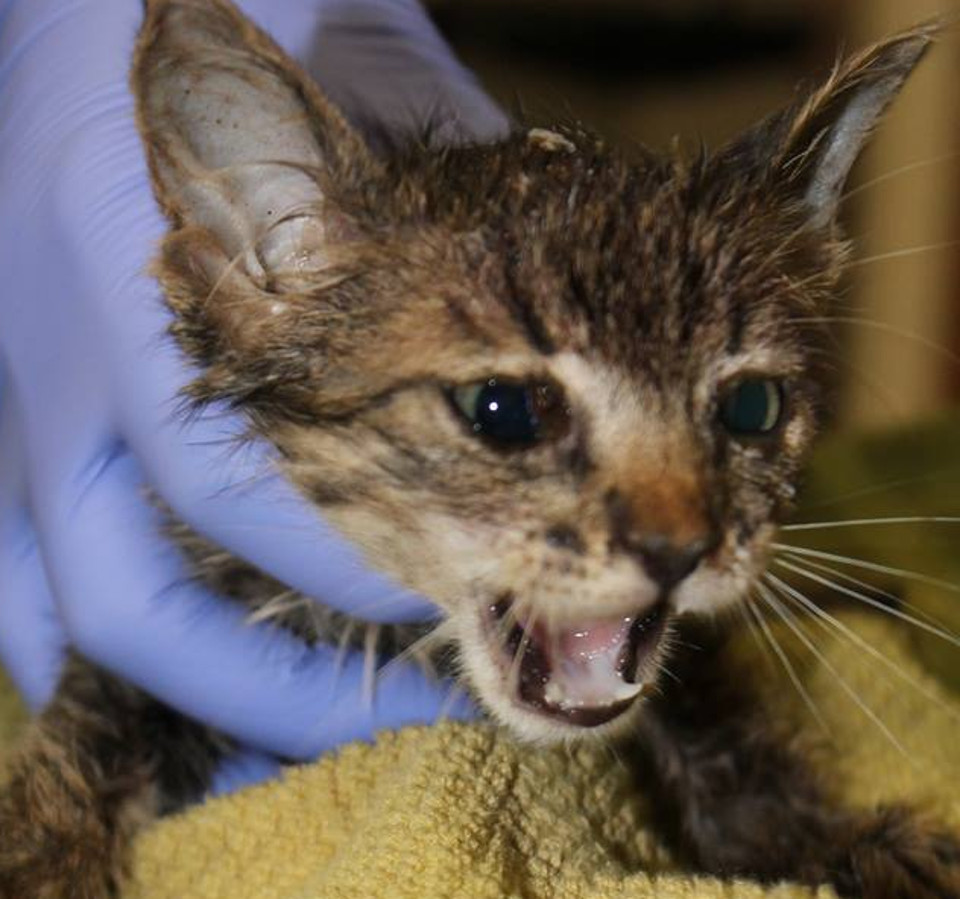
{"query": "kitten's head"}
(562, 391)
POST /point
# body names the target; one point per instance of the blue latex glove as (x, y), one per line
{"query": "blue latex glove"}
(89, 384)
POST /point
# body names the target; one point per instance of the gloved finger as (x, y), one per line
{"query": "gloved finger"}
(31, 637)
(182, 643)
(383, 61)
(248, 767)
(32, 642)
(244, 768)
(386, 62)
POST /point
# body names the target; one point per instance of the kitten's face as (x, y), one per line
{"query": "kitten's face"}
(570, 436)
(563, 394)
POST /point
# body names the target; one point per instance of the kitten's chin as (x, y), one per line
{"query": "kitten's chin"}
(577, 680)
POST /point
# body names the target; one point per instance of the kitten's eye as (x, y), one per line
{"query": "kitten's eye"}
(511, 413)
(753, 407)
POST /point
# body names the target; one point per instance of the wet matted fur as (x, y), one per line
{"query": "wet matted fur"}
(356, 305)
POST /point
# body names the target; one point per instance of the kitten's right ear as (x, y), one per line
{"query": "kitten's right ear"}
(242, 147)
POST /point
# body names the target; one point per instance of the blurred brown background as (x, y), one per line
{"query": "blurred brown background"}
(650, 70)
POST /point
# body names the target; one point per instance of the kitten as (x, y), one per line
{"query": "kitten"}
(563, 391)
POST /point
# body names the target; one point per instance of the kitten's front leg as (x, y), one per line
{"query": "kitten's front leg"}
(735, 800)
(101, 762)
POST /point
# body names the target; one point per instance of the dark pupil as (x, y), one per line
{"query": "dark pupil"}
(748, 409)
(505, 413)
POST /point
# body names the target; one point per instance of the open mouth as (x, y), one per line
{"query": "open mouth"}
(584, 673)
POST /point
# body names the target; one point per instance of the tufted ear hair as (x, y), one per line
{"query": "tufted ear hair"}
(240, 142)
(809, 149)
(256, 171)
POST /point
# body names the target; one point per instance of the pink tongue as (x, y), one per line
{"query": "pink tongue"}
(591, 639)
(585, 664)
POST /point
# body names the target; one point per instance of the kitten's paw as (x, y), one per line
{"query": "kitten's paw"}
(897, 855)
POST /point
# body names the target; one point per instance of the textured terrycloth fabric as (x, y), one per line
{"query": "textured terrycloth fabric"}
(459, 811)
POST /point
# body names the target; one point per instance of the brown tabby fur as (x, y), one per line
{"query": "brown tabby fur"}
(637, 286)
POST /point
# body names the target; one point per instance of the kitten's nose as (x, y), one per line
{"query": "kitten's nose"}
(667, 562)
(669, 546)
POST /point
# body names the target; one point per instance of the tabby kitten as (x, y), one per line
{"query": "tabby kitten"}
(563, 391)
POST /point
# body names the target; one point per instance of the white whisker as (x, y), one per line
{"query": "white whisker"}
(858, 522)
(940, 476)
(371, 639)
(884, 327)
(827, 621)
(421, 648)
(873, 603)
(895, 173)
(755, 633)
(788, 666)
(662, 669)
(513, 673)
(905, 251)
(873, 588)
(343, 647)
(276, 606)
(853, 562)
(790, 620)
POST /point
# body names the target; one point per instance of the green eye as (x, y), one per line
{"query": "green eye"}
(753, 407)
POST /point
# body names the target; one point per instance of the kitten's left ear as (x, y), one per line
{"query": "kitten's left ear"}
(820, 138)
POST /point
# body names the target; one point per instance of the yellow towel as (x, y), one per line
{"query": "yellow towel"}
(460, 811)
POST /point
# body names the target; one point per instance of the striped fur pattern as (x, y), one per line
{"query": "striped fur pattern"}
(342, 299)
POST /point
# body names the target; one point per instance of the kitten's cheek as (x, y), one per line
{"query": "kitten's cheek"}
(708, 592)
(727, 579)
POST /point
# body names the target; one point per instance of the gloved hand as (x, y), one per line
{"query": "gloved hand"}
(88, 393)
